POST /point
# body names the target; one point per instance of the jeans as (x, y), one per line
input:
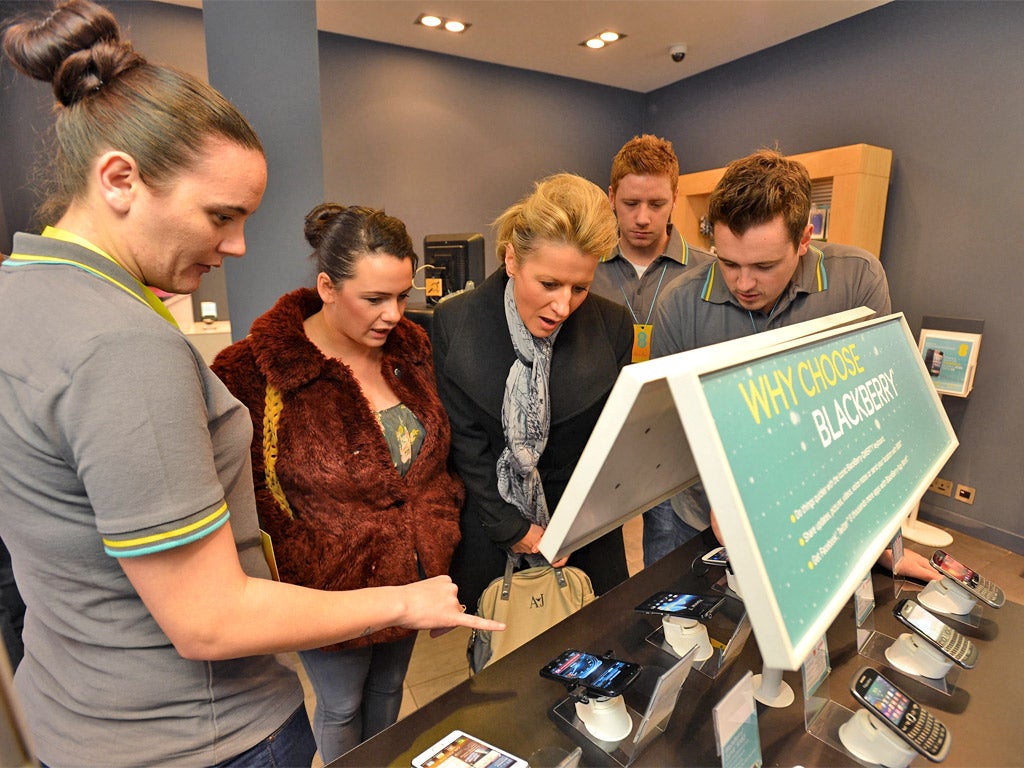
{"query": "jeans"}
(290, 746)
(358, 692)
(663, 532)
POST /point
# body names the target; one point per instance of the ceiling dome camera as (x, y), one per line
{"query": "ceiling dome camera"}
(678, 52)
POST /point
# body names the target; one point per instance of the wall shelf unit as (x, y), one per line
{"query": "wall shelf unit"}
(859, 176)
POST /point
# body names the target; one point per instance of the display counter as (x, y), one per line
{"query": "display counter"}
(510, 705)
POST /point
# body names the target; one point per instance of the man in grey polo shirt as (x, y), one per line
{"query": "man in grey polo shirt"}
(767, 275)
(650, 254)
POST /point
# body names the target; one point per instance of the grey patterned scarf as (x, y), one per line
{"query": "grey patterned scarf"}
(525, 417)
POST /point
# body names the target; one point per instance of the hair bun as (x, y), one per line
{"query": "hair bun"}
(78, 48)
(318, 220)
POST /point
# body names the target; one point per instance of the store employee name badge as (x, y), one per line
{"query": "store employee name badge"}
(642, 342)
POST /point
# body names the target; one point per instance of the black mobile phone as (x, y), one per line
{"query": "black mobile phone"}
(972, 581)
(681, 604)
(929, 626)
(600, 675)
(901, 714)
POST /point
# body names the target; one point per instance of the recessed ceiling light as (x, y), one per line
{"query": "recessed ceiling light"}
(602, 39)
(439, 22)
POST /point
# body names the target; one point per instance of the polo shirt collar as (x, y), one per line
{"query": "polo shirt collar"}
(810, 277)
(677, 249)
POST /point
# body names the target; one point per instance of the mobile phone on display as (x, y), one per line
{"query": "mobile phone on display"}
(681, 604)
(929, 626)
(458, 749)
(901, 714)
(716, 556)
(600, 675)
(972, 581)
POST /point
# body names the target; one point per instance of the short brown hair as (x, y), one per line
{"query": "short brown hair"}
(646, 155)
(756, 189)
(562, 209)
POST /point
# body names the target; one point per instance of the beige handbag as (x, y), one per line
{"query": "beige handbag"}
(528, 602)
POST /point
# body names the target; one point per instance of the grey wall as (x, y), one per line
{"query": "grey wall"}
(937, 83)
(446, 144)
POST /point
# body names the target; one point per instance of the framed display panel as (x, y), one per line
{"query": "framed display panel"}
(638, 453)
(951, 359)
(812, 453)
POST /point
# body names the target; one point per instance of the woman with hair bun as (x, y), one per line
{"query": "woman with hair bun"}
(126, 490)
(362, 496)
(524, 366)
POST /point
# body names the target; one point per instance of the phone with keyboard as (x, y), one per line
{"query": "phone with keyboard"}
(953, 644)
(972, 581)
(901, 714)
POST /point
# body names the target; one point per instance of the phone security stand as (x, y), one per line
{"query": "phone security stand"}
(874, 743)
(574, 717)
(684, 634)
(606, 718)
(946, 596)
(917, 658)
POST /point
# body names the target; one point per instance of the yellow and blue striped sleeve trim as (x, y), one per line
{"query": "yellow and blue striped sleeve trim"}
(160, 542)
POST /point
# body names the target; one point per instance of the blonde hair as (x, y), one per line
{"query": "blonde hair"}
(564, 209)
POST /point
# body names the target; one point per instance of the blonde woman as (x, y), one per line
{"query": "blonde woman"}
(524, 364)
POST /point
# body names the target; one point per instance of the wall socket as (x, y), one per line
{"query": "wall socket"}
(965, 494)
(941, 486)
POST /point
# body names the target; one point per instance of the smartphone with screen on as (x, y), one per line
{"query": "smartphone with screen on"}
(939, 634)
(458, 749)
(901, 714)
(717, 556)
(972, 581)
(602, 676)
(681, 604)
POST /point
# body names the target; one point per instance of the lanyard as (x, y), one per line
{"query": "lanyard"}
(135, 289)
(650, 310)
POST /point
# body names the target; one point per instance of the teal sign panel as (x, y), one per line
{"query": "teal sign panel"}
(827, 443)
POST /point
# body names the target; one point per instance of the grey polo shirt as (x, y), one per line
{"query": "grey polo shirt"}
(616, 277)
(698, 309)
(116, 440)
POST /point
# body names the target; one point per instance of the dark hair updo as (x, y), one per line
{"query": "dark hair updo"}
(110, 97)
(342, 235)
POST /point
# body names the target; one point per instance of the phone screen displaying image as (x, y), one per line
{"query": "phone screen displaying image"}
(955, 569)
(926, 623)
(891, 703)
(604, 676)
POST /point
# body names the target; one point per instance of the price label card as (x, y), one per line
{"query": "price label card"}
(735, 717)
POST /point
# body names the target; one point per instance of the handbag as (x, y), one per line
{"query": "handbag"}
(528, 602)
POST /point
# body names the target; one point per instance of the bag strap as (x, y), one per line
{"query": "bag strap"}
(272, 406)
(510, 565)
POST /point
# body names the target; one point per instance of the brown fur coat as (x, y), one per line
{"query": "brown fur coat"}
(357, 521)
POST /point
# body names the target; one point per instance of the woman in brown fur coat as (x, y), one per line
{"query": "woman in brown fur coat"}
(345, 412)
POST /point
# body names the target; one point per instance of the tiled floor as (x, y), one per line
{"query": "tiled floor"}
(439, 664)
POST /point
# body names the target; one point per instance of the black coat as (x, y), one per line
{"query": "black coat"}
(472, 356)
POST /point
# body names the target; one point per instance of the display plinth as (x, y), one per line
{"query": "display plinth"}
(867, 741)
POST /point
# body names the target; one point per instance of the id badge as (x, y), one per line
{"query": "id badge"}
(642, 342)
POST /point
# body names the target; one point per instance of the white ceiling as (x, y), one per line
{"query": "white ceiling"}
(544, 35)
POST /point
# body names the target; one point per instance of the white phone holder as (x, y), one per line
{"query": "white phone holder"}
(873, 742)
(770, 689)
(683, 634)
(946, 596)
(917, 657)
(605, 718)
